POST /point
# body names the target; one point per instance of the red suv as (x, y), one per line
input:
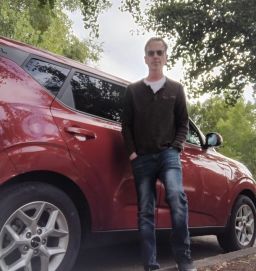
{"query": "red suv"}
(64, 168)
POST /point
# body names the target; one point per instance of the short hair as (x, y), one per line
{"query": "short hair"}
(156, 39)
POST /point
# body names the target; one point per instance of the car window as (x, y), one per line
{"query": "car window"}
(97, 96)
(193, 136)
(49, 75)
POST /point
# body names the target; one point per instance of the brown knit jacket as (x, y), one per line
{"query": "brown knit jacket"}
(153, 122)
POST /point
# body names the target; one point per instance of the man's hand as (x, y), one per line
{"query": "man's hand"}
(133, 156)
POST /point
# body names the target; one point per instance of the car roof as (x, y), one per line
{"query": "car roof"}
(58, 58)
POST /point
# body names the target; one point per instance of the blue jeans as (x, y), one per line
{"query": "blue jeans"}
(166, 166)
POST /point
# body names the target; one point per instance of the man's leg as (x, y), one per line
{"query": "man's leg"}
(145, 180)
(171, 176)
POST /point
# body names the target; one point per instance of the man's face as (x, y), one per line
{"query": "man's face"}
(155, 56)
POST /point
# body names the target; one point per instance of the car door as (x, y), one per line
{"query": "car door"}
(88, 119)
(205, 184)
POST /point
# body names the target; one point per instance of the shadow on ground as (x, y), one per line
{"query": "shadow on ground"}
(121, 252)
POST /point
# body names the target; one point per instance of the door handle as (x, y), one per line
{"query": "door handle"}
(80, 133)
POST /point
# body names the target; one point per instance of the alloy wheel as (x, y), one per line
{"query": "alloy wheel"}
(244, 224)
(34, 238)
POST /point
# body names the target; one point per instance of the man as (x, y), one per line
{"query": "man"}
(154, 127)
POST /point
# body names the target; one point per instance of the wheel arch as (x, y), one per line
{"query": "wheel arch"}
(249, 194)
(245, 192)
(64, 184)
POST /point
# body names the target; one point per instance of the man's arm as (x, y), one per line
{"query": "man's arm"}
(181, 119)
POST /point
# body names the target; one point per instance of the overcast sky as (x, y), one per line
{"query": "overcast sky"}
(123, 52)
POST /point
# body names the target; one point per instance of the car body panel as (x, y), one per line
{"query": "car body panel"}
(97, 146)
(29, 134)
(6, 168)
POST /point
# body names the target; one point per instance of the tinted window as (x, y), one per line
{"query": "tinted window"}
(96, 96)
(193, 136)
(49, 75)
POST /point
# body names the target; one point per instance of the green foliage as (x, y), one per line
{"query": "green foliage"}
(235, 123)
(44, 24)
(78, 50)
(90, 11)
(216, 40)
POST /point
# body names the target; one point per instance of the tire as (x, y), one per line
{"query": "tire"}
(39, 229)
(241, 231)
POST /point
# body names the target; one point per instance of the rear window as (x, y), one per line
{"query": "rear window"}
(49, 75)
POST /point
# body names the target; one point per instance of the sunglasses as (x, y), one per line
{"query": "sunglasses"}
(157, 52)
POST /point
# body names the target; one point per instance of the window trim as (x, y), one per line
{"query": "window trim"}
(14, 54)
(33, 56)
(200, 134)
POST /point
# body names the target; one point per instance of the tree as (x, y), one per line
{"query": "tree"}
(235, 123)
(44, 24)
(207, 114)
(216, 40)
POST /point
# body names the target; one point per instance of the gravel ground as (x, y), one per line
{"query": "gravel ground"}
(246, 263)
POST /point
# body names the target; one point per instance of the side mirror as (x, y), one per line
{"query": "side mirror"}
(213, 140)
